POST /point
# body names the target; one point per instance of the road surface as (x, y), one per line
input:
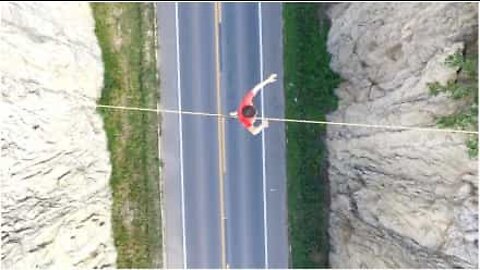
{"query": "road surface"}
(224, 189)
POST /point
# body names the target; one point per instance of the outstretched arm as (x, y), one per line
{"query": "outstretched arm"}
(258, 87)
(255, 130)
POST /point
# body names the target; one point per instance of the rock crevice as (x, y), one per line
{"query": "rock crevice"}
(399, 198)
(56, 199)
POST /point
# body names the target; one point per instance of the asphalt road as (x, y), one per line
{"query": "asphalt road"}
(225, 190)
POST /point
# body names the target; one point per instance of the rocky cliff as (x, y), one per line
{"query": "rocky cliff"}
(55, 166)
(399, 198)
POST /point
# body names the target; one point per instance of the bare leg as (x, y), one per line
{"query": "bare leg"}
(257, 129)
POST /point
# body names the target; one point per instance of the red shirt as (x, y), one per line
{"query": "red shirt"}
(246, 101)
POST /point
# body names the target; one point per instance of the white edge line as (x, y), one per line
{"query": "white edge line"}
(265, 231)
(181, 137)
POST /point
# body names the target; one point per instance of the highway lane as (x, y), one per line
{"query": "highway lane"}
(254, 192)
(196, 231)
(202, 205)
(244, 185)
(256, 177)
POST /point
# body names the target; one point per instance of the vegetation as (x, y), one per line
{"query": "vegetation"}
(464, 89)
(126, 35)
(309, 85)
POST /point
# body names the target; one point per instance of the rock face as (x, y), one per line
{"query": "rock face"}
(399, 198)
(55, 192)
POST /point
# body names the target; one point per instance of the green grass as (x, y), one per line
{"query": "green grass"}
(309, 85)
(125, 33)
(464, 89)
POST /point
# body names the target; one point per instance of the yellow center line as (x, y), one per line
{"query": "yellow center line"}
(221, 137)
